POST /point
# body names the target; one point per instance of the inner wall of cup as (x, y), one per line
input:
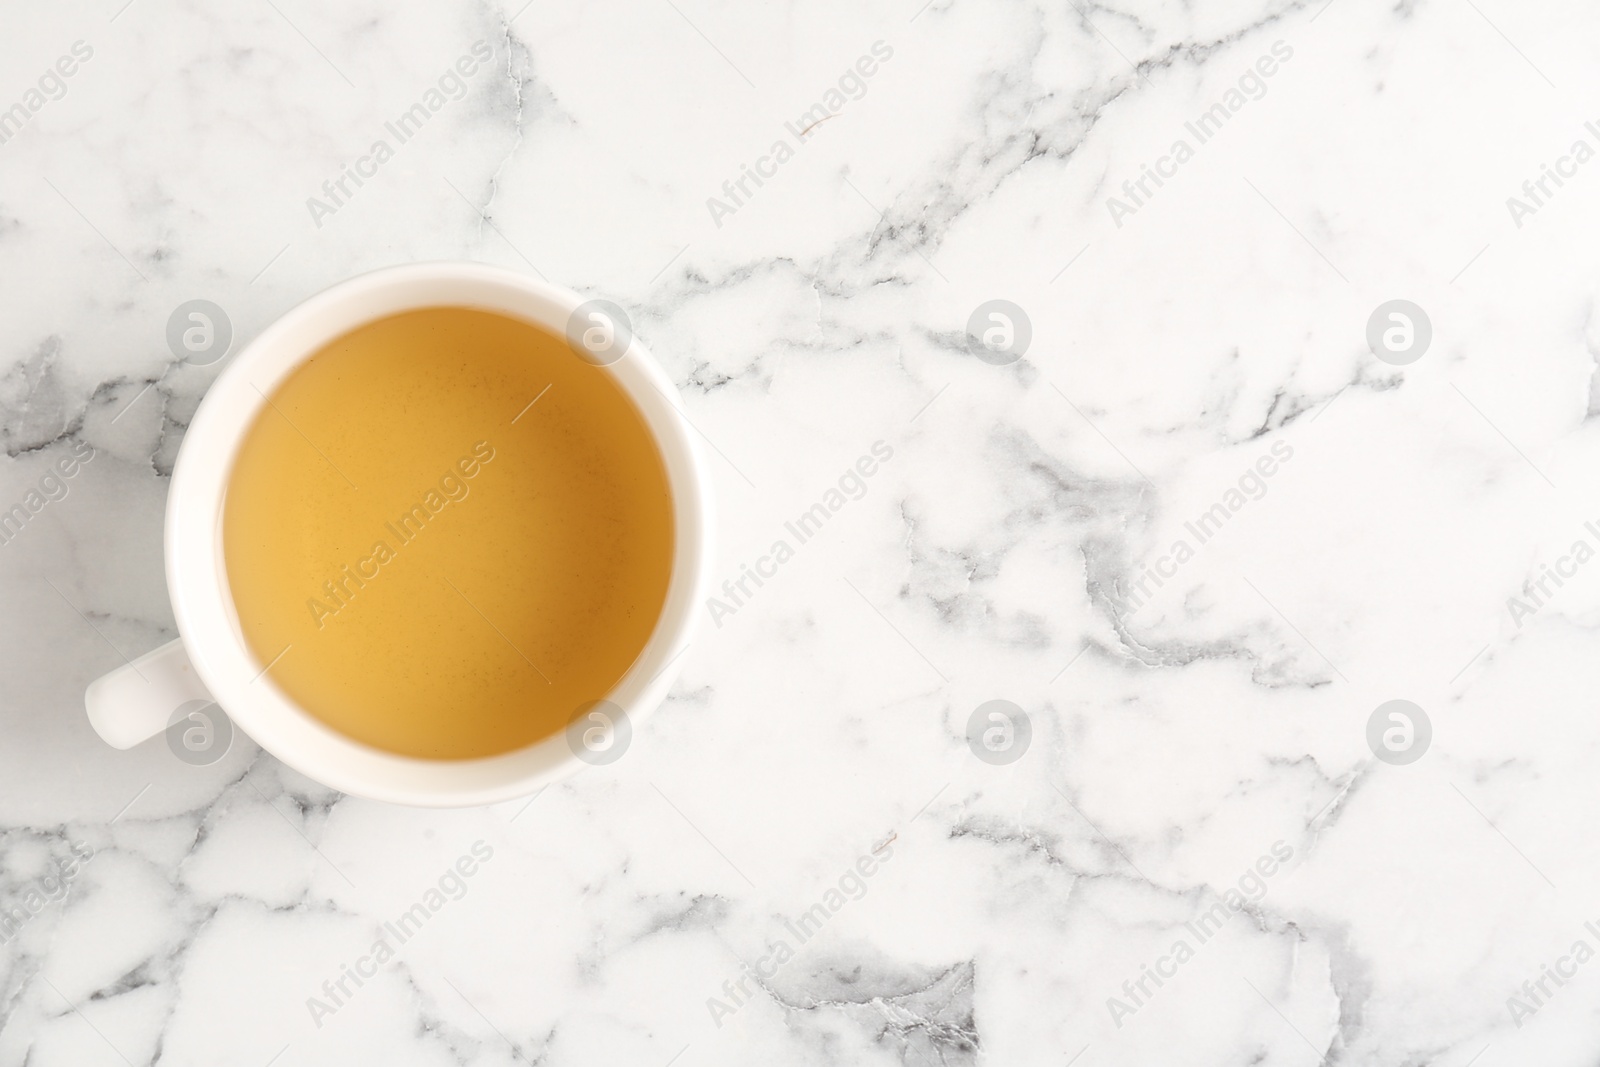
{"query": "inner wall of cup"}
(677, 465)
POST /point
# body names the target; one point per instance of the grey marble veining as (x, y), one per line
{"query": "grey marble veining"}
(1199, 856)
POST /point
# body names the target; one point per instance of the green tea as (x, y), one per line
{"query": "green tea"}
(445, 533)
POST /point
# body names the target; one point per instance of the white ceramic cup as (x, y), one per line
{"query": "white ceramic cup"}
(210, 660)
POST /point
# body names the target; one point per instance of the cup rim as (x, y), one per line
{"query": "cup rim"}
(197, 576)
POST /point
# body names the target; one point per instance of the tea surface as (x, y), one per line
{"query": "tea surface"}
(446, 533)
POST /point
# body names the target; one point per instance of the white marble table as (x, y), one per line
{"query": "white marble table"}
(1196, 529)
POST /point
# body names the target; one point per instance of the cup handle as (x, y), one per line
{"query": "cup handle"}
(134, 702)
